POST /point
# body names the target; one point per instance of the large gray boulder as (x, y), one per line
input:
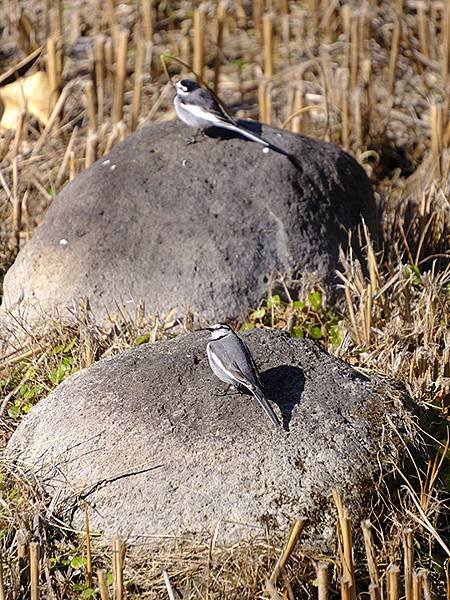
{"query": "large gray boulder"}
(145, 438)
(200, 225)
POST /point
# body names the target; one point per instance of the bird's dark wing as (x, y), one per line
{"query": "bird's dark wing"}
(250, 359)
(232, 355)
(238, 352)
(204, 99)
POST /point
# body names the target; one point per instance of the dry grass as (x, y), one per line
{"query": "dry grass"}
(372, 77)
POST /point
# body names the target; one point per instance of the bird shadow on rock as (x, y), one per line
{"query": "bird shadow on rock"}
(284, 386)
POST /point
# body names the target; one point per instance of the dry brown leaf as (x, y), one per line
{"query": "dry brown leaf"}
(31, 93)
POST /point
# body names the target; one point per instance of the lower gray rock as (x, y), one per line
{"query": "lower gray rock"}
(146, 439)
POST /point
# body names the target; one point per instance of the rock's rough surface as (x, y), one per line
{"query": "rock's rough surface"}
(202, 225)
(144, 438)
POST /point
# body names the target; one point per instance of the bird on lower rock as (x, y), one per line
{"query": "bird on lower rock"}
(231, 361)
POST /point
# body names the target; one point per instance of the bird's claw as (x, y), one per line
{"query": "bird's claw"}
(194, 139)
(227, 391)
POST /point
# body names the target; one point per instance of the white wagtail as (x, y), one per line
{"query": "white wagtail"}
(231, 361)
(198, 108)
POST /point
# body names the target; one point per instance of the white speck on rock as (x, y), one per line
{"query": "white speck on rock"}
(63, 242)
(112, 167)
(184, 162)
(265, 150)
(106, 162)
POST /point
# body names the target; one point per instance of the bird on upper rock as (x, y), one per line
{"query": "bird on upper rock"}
(198, 108)
(231, 361)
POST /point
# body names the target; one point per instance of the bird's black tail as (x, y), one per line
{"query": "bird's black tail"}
(292, 159)
(266, 406)
(254, 137)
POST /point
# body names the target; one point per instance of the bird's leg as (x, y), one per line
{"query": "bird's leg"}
(227, 392)
(194, 138)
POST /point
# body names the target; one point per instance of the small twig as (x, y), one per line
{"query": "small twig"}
(53, 117)
(168, 585)
(5, 186)
(65, 161)
(88, 548)
(19, 69)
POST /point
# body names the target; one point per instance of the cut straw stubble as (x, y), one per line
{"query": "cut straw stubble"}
(118, 549)
(268, 45)
(345, 531)
(221, 14)
(393, 59)
(408, 562)
(2, 587)
(147, 18)
(99, 69)
(34, 571)
(371, 559)
(137, 87)
(102, 585)
(199, 41)
(88, 548)
(17, 210)
(323, 581)
(119, 82)
(52, 72)
(393, 582)
(294, 534)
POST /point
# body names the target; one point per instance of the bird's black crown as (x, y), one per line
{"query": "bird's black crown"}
(188, 85)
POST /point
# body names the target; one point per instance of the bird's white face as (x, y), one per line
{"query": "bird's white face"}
(186, 86)
(182, 90)
(219, 330)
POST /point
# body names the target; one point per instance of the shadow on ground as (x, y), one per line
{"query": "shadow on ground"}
(284, 386)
